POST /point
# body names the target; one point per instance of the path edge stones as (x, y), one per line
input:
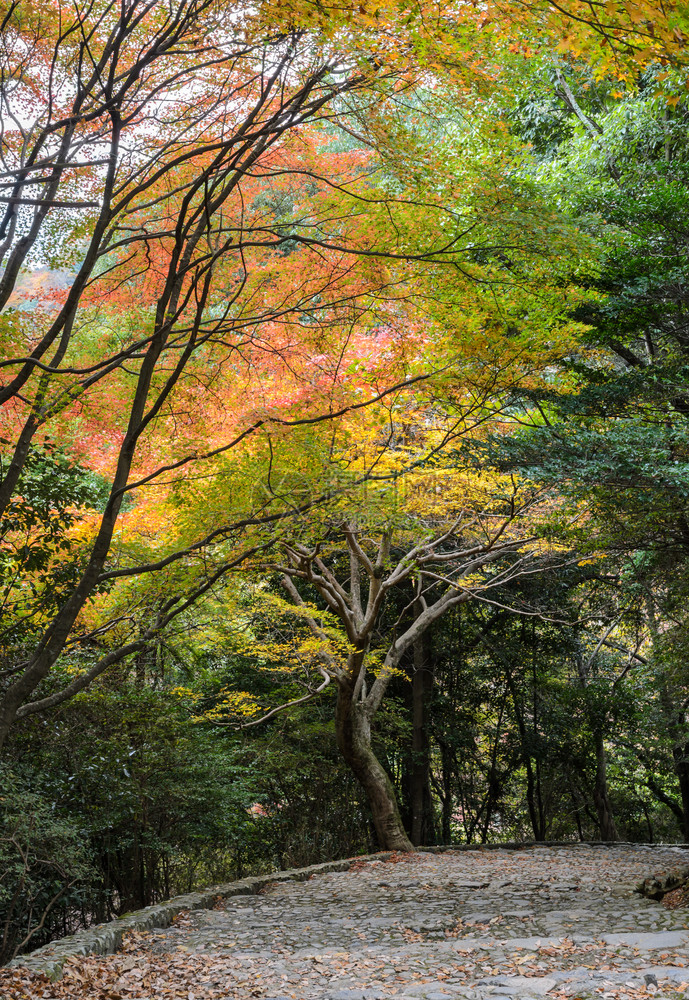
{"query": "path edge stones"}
(105, 939)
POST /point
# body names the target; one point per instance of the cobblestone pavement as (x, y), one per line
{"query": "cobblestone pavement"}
(477, 924)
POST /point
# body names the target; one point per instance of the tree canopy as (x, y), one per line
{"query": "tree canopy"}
(343, 458)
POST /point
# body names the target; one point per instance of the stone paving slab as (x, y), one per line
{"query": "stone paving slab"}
(470, 925)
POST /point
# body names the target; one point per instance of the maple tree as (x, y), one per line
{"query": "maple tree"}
(482, 351)
(254, 209)
(445, 569)
(616, 40)
(418, 526)
(212, 175)
(162, 154)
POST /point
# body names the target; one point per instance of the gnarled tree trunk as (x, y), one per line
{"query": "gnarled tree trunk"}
(353, 730)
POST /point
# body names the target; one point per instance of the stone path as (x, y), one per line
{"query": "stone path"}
(476, 925)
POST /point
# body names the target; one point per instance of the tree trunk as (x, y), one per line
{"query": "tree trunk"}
(421, 802)
(494, 783)
(601, 800)
(542, 823)
(606, 820)
(677, 730)
(353, 730)
(446, 798)
(649, 824)
(535, 815)
(680, 759)
(577, 810)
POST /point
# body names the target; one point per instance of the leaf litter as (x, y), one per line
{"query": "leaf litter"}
(142, 970)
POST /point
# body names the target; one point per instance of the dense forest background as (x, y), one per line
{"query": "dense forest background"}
(344, 446)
